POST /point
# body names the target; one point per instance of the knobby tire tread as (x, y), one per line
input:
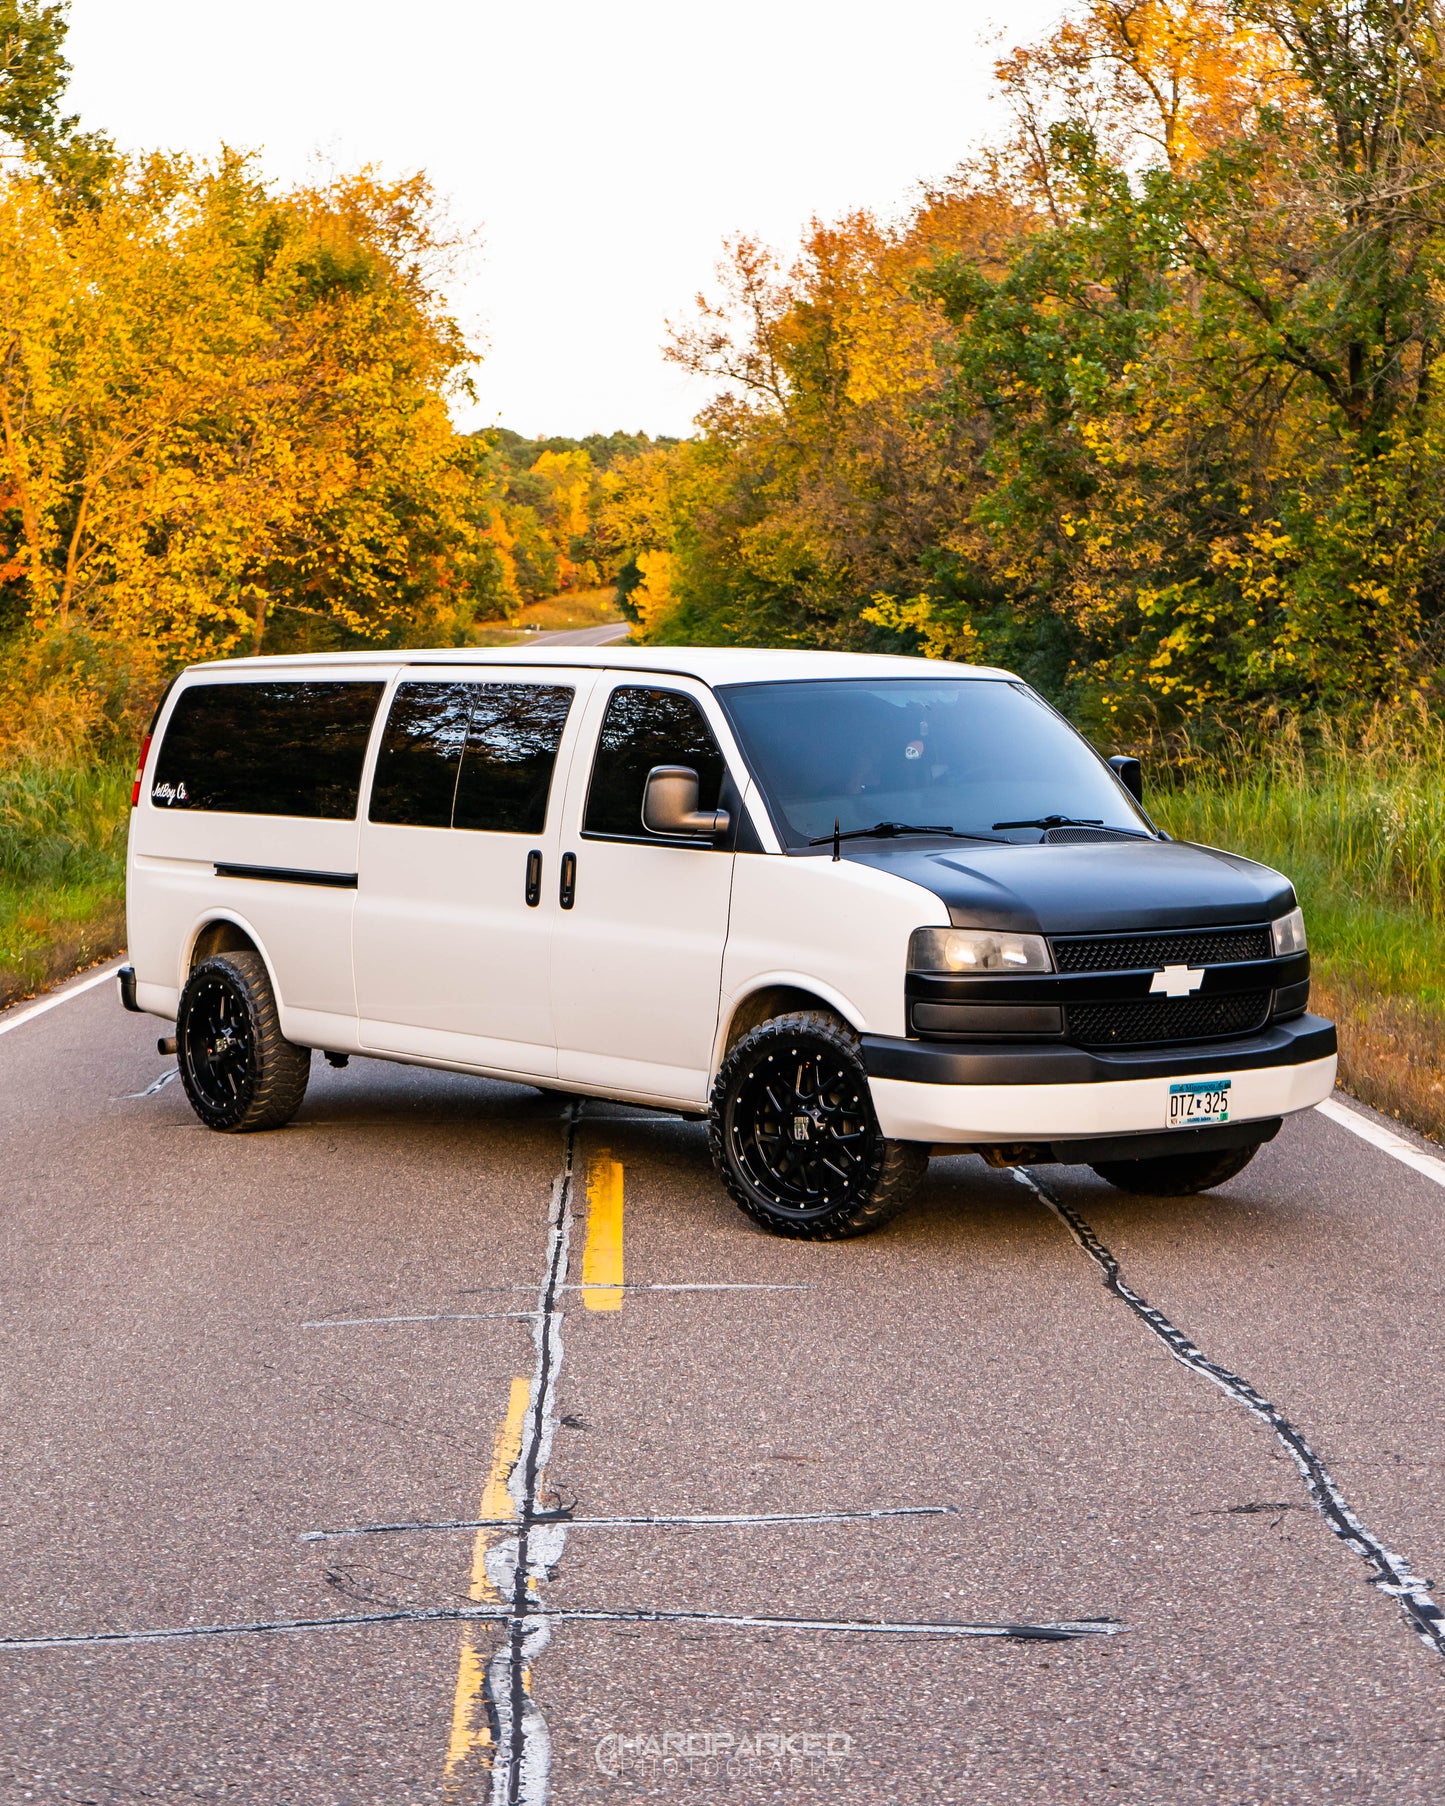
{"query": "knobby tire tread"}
(902, 1166)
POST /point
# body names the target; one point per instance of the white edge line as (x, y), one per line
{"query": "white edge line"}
(1429, 1166)
(14, 1018)
(449, 1317)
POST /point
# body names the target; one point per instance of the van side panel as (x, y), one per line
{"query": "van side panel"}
(301, 926)
(839, 930)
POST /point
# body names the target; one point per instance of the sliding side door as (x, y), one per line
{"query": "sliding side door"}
(457, 889)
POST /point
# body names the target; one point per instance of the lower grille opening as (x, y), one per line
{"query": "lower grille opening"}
(1165, 1019)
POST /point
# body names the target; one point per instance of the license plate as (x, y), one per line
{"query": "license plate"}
(1202, 1101)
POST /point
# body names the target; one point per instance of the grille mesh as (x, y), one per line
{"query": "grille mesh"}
(1166, 1019)
(1078, 837)
(1123, 953)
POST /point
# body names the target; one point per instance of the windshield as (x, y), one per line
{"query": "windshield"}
(957, 752)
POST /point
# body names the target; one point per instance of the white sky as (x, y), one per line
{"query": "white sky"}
(601, 151)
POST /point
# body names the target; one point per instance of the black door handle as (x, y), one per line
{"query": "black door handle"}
(534, 879)
(567, 890)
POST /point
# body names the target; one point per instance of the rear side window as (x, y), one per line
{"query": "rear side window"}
(473, 756)
(643, 728)
(267, 749)
(511, 749)
(421, 754)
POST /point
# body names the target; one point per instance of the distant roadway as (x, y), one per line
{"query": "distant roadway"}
(606, 635)
(938, 1515)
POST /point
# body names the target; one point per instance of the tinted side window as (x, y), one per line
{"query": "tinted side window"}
(267, 749)
(643, 728)
(511, 749)
(421, 755)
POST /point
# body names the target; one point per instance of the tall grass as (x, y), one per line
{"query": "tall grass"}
(1359, 826)
(62, 866)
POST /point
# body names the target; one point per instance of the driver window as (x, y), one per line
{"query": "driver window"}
(643, 728)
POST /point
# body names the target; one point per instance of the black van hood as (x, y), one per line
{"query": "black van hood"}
(1117, 885)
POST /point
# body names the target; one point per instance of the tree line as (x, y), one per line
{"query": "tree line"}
(1144, 402)
(225, 420)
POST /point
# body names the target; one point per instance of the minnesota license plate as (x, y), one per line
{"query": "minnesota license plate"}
(1196, 1104)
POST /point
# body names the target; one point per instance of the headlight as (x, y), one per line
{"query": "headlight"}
(977, 950)
(1289, 933)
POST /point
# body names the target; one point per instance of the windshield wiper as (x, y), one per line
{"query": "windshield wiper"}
(887, 830)
(1054, 821)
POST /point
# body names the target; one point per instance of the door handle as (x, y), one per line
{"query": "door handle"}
(567, 890)
(534, 879)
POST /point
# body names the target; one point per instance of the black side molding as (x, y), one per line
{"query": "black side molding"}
(993, 1063)
(285, 874)
(126, 976)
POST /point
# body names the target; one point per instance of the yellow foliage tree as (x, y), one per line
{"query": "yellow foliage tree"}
(218, 402)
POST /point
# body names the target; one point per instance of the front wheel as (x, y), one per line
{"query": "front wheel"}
(794, 1138)
(239, 1071)
(1178, 1175)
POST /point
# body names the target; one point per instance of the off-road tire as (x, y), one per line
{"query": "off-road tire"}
(826, 1083)
(1178, 1175)
(239, 1070)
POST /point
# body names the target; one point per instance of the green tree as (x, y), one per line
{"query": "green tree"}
(34, 74)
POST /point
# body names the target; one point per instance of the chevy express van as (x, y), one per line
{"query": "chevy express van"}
(847, 909)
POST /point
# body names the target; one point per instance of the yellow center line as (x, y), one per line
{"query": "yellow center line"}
(602, 1256)
(470, 1730)
(497, 1502)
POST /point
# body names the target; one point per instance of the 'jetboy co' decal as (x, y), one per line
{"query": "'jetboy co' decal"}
(170, 793)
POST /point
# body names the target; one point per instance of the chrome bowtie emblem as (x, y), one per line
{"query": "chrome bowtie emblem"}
(1177, 981)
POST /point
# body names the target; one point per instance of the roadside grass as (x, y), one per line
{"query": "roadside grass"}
(1360, 830)
(62, 869)
(554, 614)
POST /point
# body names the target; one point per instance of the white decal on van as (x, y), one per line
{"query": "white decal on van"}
(170, 793)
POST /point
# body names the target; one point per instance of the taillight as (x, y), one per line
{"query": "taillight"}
(140, 769)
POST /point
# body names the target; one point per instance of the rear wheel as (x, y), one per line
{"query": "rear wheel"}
(239, 1071)
(1178, 1175)
(794, 1137)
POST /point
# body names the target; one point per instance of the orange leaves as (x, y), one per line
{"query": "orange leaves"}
(221, 402)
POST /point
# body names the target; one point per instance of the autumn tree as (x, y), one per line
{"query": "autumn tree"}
(1143, 403)
(224, 407)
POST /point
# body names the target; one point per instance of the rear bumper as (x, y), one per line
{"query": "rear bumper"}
(947, 1093)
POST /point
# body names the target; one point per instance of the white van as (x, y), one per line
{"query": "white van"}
(848, 909)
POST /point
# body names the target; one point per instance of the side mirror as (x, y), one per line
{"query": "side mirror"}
(1130, 774)
(669, 804)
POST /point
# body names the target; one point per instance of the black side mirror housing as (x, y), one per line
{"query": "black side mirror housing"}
(1130, 774)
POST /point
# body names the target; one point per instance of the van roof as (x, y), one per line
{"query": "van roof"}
(710, 664)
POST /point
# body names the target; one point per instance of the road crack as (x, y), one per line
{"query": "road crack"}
(1389, 1572)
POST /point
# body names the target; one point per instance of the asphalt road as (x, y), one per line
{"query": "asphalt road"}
(213, 1347)
(607, 635)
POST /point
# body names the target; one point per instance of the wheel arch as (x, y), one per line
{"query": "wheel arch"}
(777, 995)
(224, 933)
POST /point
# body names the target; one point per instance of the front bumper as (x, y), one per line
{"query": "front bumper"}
(991, 1093)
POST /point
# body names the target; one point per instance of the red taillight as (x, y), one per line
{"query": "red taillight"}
(140, 770)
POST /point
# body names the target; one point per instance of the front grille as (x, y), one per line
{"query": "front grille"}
(1131, 952)
(1165, 1019)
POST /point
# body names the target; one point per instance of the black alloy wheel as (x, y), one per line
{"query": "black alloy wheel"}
(239, 1071)
(794, 1137)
